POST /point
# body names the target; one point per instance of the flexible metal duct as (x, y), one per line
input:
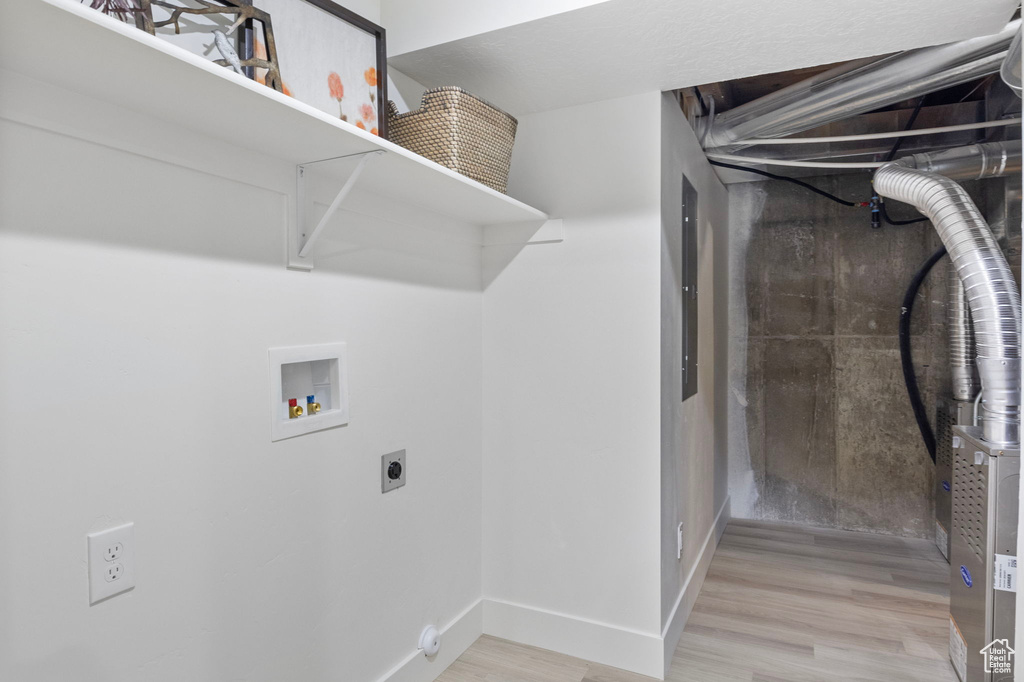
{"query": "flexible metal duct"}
(991, 290)
(961, 340)
(860, 87)
(965, 163)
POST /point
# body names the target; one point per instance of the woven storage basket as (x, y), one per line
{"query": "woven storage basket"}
(458, 131)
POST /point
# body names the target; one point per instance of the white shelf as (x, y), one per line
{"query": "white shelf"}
(72, 46)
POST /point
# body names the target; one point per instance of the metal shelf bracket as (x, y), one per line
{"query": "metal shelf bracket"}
(304, 236)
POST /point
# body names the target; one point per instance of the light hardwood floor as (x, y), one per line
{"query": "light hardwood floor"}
(782, 603)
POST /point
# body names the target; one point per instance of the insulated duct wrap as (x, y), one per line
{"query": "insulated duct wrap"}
(859, 87)
(991, 291)
(961, 340)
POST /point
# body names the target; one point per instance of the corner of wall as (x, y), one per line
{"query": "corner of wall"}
(693, 445)
(456, 637)
(673, 631)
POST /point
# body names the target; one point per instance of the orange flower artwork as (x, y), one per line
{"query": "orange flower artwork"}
(359, 124)
(371, 79)
(373, 131)
(337, 92)
(367, 112)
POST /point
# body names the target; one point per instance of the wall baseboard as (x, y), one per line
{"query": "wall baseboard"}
(630, 650)
(723, 518)
(691, 588)
(456, 637)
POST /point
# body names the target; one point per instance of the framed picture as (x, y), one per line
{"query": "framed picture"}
(316, 51)
(333, 59)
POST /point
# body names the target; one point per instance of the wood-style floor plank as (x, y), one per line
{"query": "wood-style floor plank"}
(782, 603)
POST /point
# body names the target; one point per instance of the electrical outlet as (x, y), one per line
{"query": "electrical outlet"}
(114, 572)
(111, 562)
(679, 542)
(392, 471)
(113, 552)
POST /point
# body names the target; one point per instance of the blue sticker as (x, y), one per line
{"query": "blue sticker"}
(966, 575)
(945, 486)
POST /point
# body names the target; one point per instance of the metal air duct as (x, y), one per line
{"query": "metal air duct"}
(991, 291)
(961, 340)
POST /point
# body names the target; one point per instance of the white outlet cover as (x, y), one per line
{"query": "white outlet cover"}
(111, 562)
(335, 382)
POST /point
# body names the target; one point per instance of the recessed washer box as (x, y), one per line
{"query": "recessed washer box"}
(301, 371)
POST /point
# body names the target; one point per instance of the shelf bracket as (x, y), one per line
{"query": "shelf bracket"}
(300, 248)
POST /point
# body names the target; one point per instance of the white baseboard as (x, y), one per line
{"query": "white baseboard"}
(456, 637)
(691, 588)
(723, 518)
(638, 652)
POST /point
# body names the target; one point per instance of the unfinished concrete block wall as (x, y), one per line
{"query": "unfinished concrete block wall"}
(821, 431)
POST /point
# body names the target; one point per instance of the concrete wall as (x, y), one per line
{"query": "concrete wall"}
(140, 288)
(830, 437)
(693, 458)
(571, 394)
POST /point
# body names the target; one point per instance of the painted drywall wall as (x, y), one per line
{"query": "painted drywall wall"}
(140, 288)
(414, 24)
(624, 47)
(405, 92)
(693, 455)
(572, 380)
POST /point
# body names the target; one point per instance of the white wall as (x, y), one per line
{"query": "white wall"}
(139, 292)
(415, 24)
(571, 393)
(693, 453)
(142, 281)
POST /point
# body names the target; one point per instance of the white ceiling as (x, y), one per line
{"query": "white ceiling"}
(622, 47)
(415, 24)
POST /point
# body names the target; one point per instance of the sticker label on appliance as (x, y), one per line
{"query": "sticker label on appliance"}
(941, 539)
(946, 486)
(966, 576)
(957, 650)
(1006, 573)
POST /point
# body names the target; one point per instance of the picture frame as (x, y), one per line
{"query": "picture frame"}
(316, 51)
(333, 59)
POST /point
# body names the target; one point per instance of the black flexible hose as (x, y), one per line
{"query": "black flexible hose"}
(909, 377)
(799, 183)
(892, 155)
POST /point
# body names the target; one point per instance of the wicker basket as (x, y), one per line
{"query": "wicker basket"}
(458, 131)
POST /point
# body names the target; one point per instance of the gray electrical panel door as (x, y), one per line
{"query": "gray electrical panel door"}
(689, 289)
